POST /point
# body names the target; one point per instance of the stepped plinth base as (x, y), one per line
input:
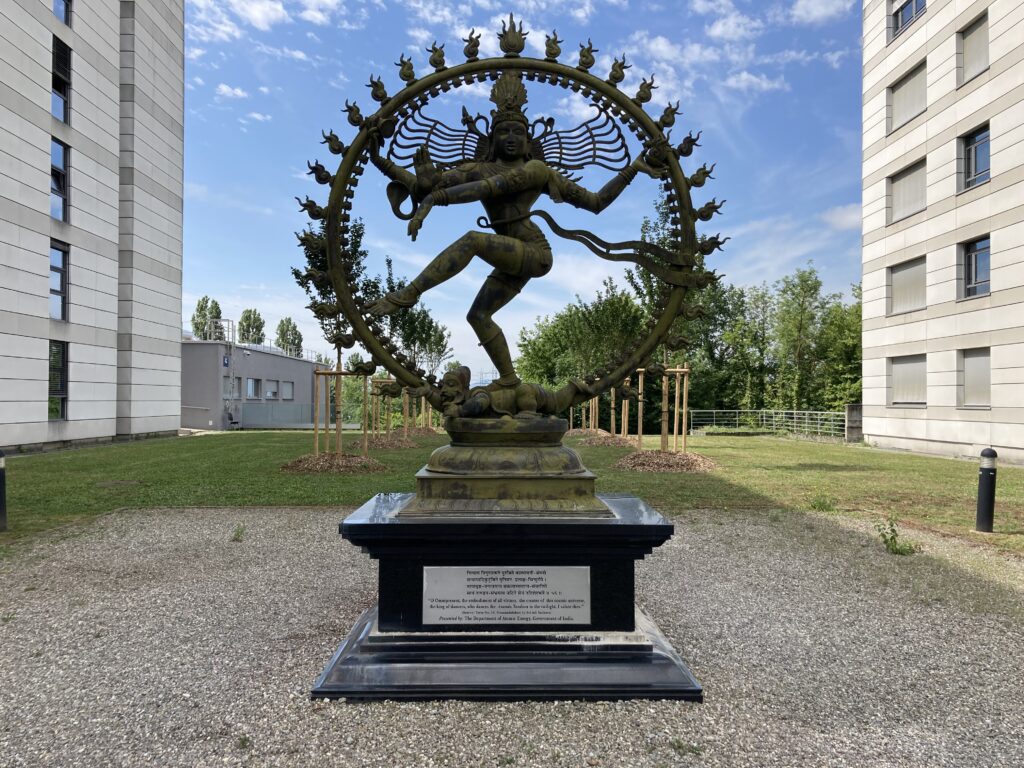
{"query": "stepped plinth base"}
(504, 606)
(371, 664)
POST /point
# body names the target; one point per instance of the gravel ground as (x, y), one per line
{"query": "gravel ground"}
(152, 638)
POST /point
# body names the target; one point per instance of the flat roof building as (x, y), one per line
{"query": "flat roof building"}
(228, 386)
(91, 173)
(943, 234)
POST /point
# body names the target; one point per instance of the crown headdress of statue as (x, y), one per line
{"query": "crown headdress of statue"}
(509, 96)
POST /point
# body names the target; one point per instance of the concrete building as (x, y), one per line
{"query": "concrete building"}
(91, 167)
(226, 385)
(943, 236)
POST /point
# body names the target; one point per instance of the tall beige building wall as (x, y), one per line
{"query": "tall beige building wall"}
(951, 329)
(123, 228)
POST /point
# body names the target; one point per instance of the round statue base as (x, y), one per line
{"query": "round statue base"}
(506, 466)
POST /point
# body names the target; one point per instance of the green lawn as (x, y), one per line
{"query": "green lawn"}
(243, 469)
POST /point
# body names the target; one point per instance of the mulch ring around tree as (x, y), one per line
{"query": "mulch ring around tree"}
(388, 442)
(333, 463)
(588, 433)
(609, 441)
(421, 431)
(662, 461)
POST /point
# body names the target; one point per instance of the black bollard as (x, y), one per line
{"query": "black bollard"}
(3, 492)
(986, 491)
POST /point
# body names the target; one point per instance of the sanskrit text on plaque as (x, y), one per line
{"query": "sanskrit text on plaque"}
(545, 594)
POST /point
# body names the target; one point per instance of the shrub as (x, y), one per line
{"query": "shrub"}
(890, 535)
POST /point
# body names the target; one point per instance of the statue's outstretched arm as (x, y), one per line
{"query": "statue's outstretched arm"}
(419, 183)
(595, 202)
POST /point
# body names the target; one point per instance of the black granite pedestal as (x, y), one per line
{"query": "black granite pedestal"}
(506, 607)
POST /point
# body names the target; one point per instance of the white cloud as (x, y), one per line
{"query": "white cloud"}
(843, 216)
(319, 12)
(717, 7)
(259, 117)
(734, 27)
(747, 82)
(198, 80)
(281, 53)
(420, 35)
(835, 58)
(264, 90)
(194, 54)
(227, 92)
(209, 22)
(262, 14)
(818, 11)
(203, 194)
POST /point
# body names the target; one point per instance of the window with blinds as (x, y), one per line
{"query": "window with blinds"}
(974, 49)
(908, 382)
(976, 378)
(907, 286)
(908, 97)
(58, 391)
(907, 192)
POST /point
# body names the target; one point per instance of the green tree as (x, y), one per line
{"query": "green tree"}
(581, 338)
(435, 345)
(749, 335)
(315, 279)
(205, 325)
(250, 327)
(839, 348)
(289, 338)
(200, 318)
(800, 311)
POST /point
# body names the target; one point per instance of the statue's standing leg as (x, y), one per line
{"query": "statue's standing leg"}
(498, 290)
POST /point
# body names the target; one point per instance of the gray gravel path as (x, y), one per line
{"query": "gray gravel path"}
(151, 638)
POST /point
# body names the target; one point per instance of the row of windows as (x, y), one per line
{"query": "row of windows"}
(907, 281)
(908, 97)
(257, 389)
(908, 188)
(60, 108)
(60, 156)
(908, 379)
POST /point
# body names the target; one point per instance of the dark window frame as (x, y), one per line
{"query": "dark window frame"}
(254, 392)
(974, 176)
(57, 402)
(916, 9)
(62, 10)
(61, 81)
(977, 282)
(62, 270)
(59, 179)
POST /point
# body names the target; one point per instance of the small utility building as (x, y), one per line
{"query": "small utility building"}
(226, 386)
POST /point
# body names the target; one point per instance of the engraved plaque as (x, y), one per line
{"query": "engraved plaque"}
(506, 594)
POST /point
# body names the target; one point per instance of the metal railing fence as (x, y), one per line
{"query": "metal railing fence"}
(818, 423)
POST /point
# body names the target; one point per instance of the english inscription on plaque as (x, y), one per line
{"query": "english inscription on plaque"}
(512, 594)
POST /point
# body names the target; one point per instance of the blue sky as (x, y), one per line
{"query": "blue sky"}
(775, 88)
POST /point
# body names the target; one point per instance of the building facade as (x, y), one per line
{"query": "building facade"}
(228, 386)
(91, 176)
(943, 235)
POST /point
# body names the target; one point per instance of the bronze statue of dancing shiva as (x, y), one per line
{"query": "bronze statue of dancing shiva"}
(507, 179)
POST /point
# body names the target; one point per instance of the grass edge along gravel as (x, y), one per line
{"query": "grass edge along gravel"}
(243, 469)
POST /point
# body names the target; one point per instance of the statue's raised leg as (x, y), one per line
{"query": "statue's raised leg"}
(503, 253)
